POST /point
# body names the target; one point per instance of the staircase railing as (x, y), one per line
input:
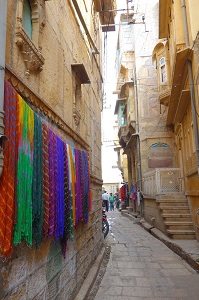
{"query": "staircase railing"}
(162, 181)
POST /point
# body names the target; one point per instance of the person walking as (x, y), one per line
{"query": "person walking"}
(112, 201)
(117, 201)
(105, 199)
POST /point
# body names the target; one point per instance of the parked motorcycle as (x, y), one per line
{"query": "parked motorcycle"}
(105, 224)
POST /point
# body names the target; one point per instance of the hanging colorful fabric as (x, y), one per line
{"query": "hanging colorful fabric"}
(7, 179)
(60, 185)
(68, 209)
(72, 180)
(37, 189)
(53, 178)
(77, 190)
(23, 227)
(46, 192)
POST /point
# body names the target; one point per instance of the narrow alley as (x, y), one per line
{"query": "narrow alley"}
(142, 267)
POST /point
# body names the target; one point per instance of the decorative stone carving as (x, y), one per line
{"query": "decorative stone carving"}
(29, 47)
(32, 57)
(77, 116)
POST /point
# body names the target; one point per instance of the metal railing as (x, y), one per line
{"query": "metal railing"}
(162, 181)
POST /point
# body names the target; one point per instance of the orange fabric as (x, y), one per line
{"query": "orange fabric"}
(7, 179)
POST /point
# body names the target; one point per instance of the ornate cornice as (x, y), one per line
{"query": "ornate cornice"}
(42, 105)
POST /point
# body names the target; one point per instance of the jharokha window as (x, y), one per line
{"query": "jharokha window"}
(29, 26)
(163, 73)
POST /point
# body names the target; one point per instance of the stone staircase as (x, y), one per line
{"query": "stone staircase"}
(176, 216)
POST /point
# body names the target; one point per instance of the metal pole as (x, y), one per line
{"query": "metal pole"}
(139, 182)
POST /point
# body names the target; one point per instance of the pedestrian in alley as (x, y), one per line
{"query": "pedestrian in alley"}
(117, 201)
(112, 201)
(105, 199)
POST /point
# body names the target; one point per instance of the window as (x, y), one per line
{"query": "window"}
(122, 115)
(163, 73)
(27, 18)
(79, 76)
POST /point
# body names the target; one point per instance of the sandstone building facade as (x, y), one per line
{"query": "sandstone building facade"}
(51, 63)
(157, 110)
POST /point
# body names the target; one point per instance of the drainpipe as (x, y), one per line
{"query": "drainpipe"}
(75, 3)
(191, 82)
(3, 14)
(139, 182)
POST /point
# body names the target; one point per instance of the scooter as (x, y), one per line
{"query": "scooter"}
(105, 224)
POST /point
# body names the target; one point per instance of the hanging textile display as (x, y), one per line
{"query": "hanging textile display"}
(23, 226)
(86, 191)
(78, 187)
(52, 182)
(133, 192)
(72, 180)
(7, 182)
(37, 188)
(50, 177)
(68, 216)
(60, 196)
(46, 191)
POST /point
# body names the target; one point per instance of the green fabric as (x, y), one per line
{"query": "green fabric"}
(23, 227)
(37, 188)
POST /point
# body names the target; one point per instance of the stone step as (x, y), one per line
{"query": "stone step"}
(179, 225)
(175, 209)
(181, 234)
(172, 202)
(177, 217)
(171, 197)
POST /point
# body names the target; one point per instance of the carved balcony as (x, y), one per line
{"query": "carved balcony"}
(31, 55)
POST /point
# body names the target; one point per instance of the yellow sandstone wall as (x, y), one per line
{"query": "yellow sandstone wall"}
(43, 273)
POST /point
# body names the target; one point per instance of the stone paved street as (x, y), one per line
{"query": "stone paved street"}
(142, 267)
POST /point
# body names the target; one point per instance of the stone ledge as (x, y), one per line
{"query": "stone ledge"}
(90, 278)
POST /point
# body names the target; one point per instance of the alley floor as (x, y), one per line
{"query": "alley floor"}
(142, 267)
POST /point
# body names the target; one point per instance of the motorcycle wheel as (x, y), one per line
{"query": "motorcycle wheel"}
(105, 227)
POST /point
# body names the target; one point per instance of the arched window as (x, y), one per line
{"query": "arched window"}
(27, 18)
(160, 156)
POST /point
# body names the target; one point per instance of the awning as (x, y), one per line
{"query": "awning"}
(185, 98)
(131, 142)
(163, 15)
(123, 87)
(81, 73)
(178, 82)
(107, 12)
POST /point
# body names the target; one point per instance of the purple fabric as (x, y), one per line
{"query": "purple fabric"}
(60, 186)
(52, 207)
